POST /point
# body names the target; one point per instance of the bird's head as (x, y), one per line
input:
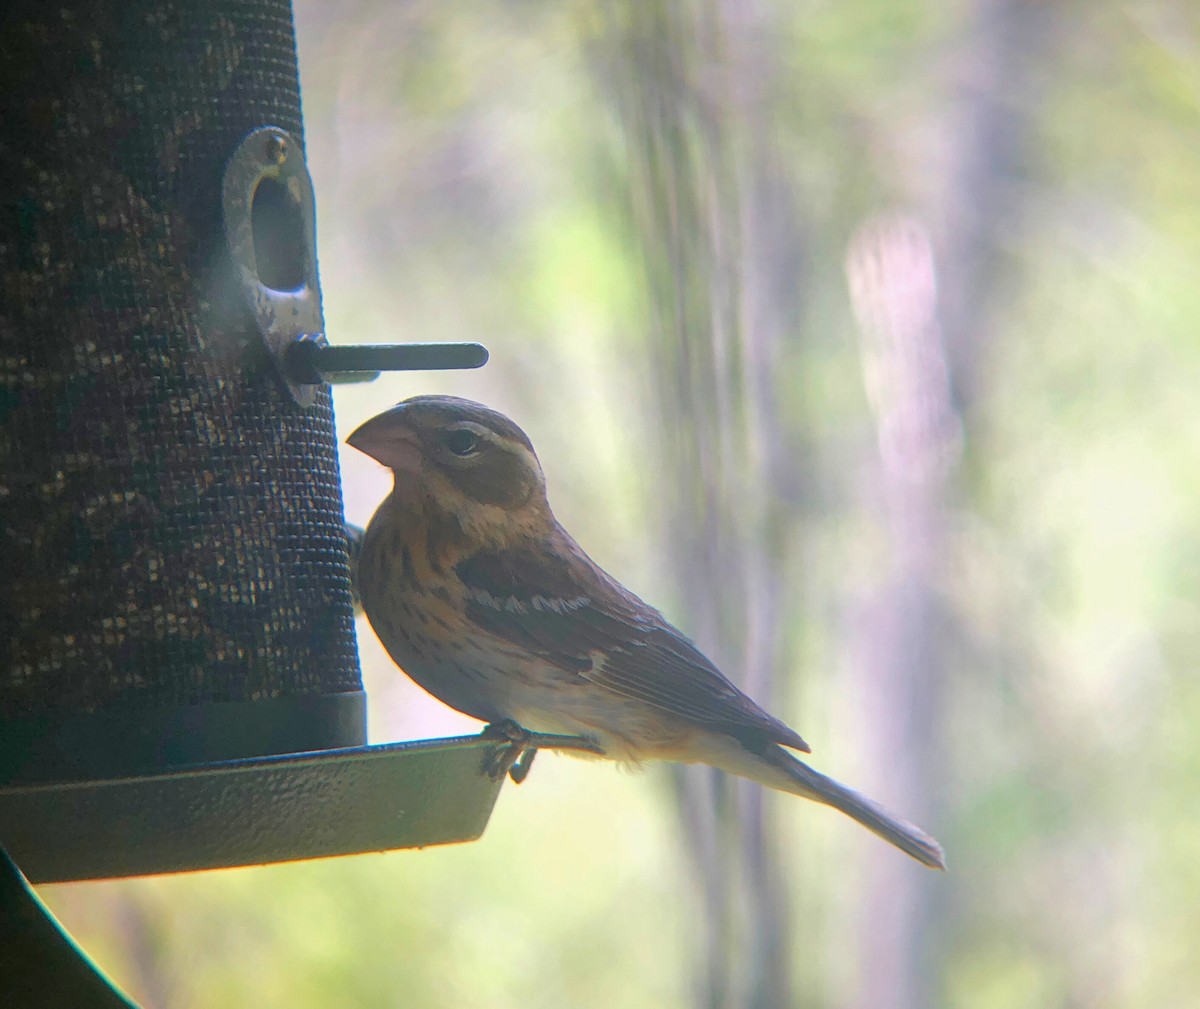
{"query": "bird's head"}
(456, 452)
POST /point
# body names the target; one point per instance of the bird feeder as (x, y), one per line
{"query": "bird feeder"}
(179, 682)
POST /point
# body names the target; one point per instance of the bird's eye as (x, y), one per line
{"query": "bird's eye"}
(462, 442)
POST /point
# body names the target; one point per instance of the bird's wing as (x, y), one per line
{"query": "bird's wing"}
(555, 602)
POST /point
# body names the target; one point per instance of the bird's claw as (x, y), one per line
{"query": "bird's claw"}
(514, 756)
(518, 746)
(520, 768)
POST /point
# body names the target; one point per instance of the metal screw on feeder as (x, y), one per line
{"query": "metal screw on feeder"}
(276, 147)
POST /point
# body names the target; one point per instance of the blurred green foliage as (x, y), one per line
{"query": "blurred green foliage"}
(471, 170)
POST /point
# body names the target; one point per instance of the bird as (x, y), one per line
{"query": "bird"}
(482, 598)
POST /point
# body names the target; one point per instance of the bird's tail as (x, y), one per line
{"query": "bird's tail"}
(803, 780)
(776, 768)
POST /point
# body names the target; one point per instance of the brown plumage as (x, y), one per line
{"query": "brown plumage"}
(482, 598)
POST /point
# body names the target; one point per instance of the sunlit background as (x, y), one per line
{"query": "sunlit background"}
(861, 338)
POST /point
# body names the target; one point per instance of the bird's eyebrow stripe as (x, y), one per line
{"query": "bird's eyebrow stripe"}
(499, 427)
(473, 426)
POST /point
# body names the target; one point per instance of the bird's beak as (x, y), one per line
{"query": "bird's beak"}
(387, 438)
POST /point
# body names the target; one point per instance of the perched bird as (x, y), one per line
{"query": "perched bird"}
(484, 600)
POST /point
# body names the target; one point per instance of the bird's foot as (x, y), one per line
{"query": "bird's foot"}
(514, 756)
(518, 746)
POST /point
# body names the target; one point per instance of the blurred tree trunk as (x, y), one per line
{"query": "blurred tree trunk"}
(688, 82)
(924, 319)
(895, 639)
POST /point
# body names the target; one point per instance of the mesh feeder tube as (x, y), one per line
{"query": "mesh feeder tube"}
(174, 586)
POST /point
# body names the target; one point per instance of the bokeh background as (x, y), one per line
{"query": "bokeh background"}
(860, 337)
